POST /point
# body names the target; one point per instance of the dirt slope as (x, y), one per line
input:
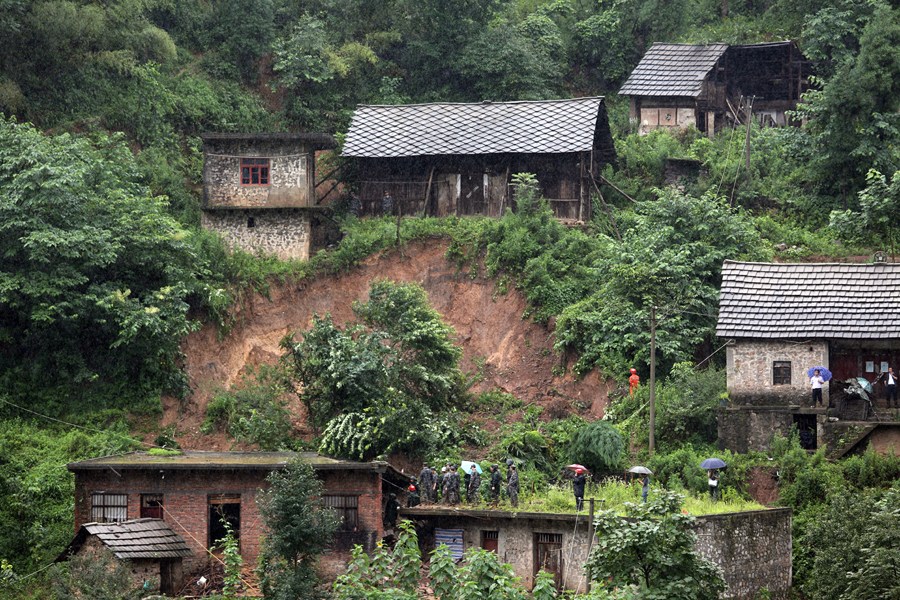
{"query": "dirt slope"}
(517, 354)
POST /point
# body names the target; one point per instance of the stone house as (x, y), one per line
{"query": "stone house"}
(259, 191)
(780, 320)
(154, 552)
(708, 86)
(753, 548)
(458, 159)
(196, 492)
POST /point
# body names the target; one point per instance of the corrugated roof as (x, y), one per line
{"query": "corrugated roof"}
(540, 127)
(809, 301)
(140, 538)
(673, 70)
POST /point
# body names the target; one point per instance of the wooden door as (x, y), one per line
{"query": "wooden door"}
(548, 555)
(471, 193)
(490, 540)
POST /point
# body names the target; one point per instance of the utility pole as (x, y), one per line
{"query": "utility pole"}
(652, 378)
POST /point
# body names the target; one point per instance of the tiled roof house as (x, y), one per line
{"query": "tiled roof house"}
(441, 159)
(780, 320)
(709, 85)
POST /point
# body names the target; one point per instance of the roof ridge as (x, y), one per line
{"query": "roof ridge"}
(481, 102)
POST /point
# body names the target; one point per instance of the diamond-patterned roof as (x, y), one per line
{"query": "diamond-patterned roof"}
(809, 300)
(549, 126)
(673, 70)
(140, 538)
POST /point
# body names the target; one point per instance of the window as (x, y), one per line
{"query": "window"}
(490, 540)
(781, 372)
(109, 508)
(223, 508)
(254, 171)
(347, 510)
(151, 506)
(251, 222)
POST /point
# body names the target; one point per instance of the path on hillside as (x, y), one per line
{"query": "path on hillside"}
(518, 355)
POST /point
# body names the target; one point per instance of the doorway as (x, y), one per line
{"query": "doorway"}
(548, 555)
(224, 508)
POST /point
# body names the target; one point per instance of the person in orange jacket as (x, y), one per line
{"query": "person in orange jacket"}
(633, 382)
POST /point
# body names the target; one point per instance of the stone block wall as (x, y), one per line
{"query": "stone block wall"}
(291, 174)
(749, 366)
(283, 232)
(753, 549)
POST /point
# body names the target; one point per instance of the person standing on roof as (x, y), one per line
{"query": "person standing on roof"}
(474, 485)
(495, 484)
(453, 486)
(578, 488)
(513, 486)
(633, 382)
(426, 484)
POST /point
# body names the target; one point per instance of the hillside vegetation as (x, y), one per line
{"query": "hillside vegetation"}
(104, 271)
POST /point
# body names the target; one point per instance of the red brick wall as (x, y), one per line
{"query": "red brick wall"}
(185, 499)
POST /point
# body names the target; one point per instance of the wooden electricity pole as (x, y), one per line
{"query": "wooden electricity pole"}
(652, 378)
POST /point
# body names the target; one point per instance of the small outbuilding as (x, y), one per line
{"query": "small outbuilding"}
(153, 550)
(708, 86)
(780, 320)
(458, 159)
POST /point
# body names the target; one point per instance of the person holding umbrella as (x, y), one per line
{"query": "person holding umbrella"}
(578, 488)
(816, 382)
(712, 466)
(645, 474)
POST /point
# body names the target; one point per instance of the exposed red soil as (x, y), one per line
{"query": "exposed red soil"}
(517, 354)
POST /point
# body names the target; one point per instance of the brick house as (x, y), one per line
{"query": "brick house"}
(194, 492)
(752, 548)
(445, 159)
(779, 320)
(703, 85)
(259, 191)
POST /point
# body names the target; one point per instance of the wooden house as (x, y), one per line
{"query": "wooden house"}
(458, 159)
(710, 86)
(779, 321)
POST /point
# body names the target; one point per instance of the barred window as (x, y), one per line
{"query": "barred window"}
(347, 510)
(781, 372)
(109, 508)
(254, 171)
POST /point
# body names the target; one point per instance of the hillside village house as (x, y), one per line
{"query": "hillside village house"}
(779, 320)
(708, 86)
(259, 191)
(458, 159)
(195, 492)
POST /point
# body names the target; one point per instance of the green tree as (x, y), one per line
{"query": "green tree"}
(853, 547)
(300, 528)
(653, 548)
(96, 279)
(879, 205)
(380, 384)
(598, 445)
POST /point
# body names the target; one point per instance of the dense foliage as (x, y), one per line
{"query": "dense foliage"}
(382, 383)
(653, 552)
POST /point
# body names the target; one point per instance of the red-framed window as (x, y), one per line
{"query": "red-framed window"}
(254, 171)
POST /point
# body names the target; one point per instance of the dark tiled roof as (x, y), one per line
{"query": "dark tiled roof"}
(543, 127)
(140, 538)
(673, 70)
(809, 301)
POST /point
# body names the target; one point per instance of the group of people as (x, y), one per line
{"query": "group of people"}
(816, 382)
(448, 486)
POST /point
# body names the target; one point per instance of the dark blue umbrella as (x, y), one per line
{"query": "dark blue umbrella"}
(713, 463)
(823, 372)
